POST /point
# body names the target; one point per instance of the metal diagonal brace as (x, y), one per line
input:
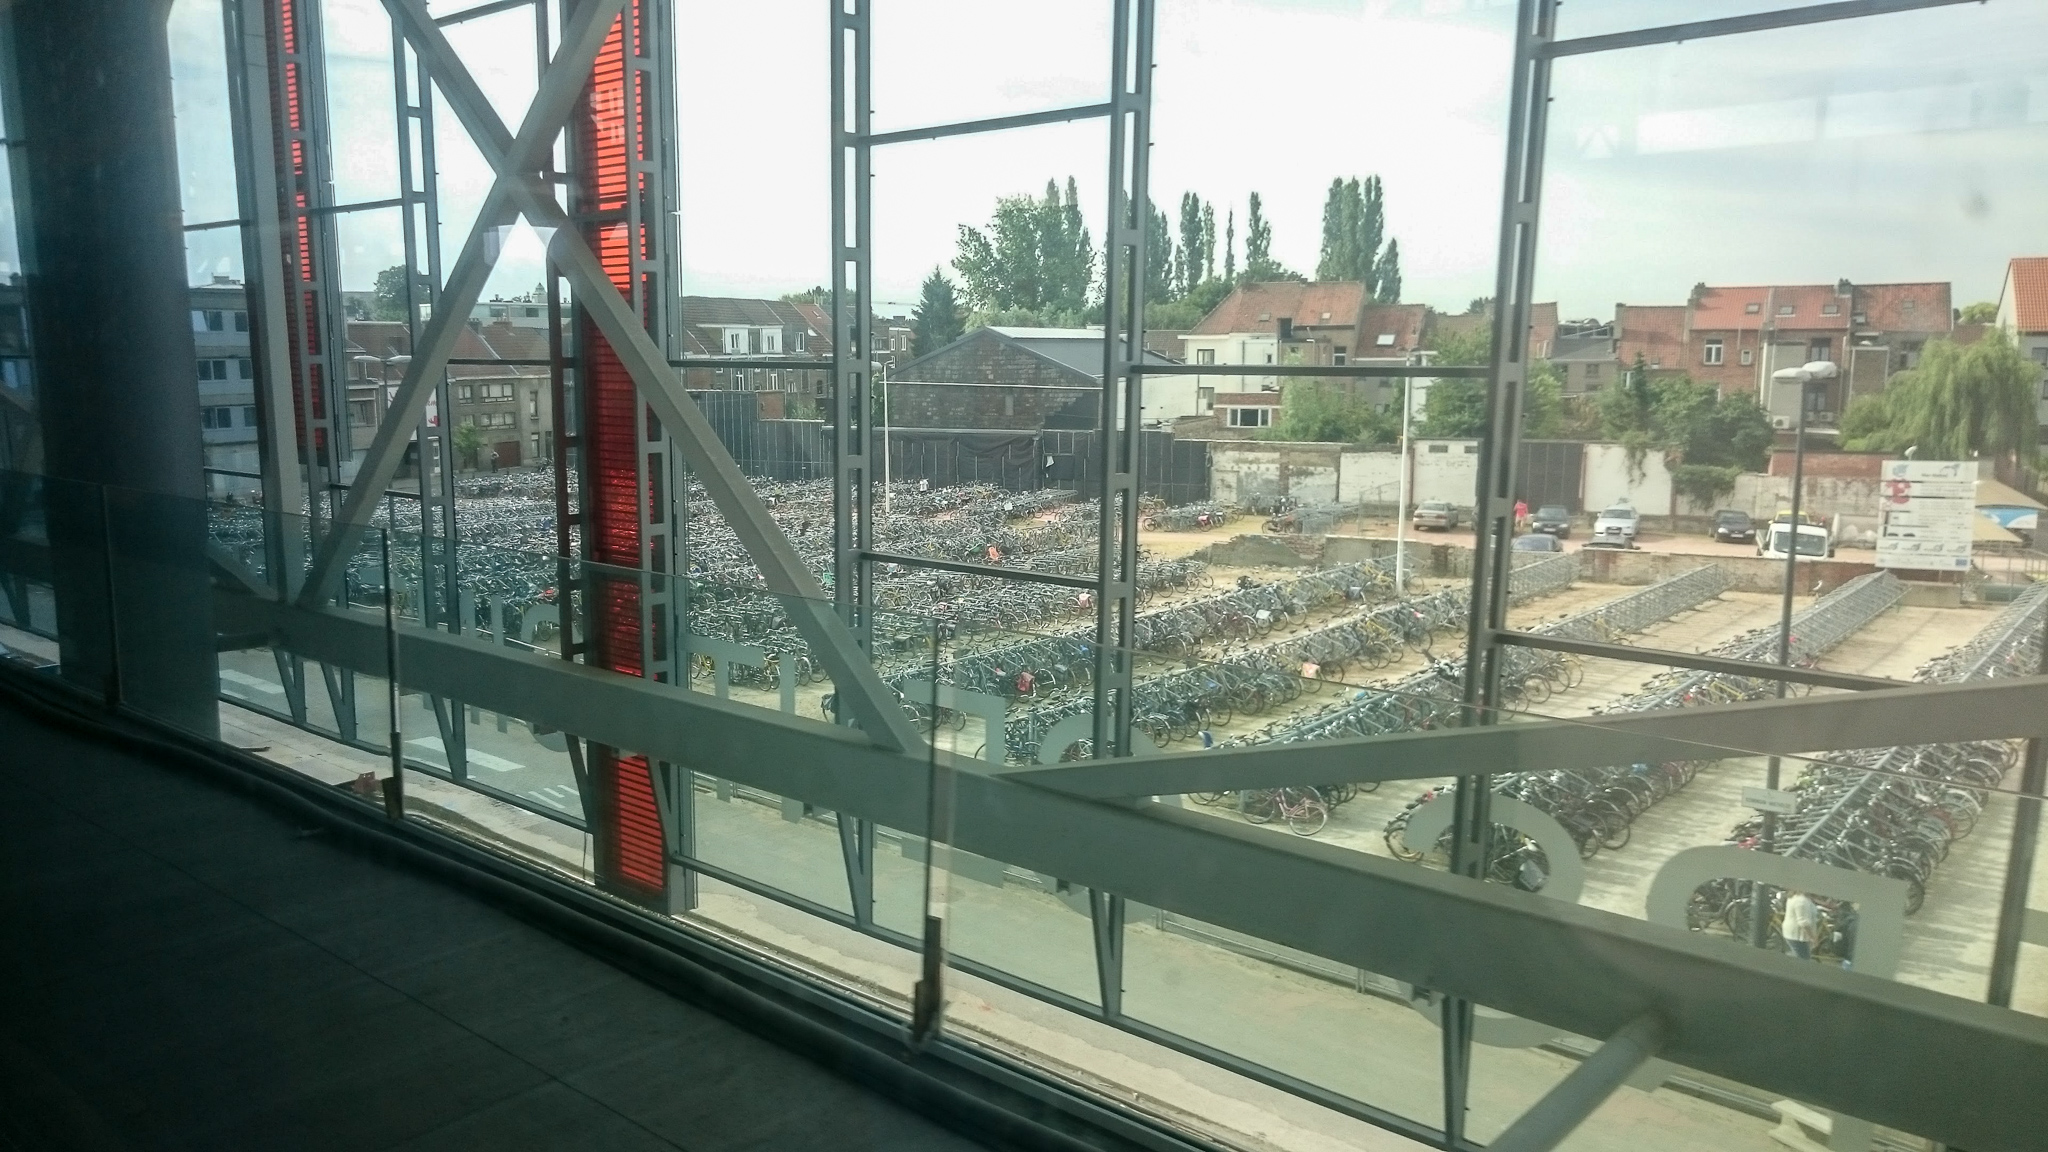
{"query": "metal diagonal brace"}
(513, 157)
(872, 704)
(1565, 1107)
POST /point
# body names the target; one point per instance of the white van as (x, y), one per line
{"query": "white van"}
(1775, 541)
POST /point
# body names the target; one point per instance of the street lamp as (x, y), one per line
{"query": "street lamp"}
(1803, 377)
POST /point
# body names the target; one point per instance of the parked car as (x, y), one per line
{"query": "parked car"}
(1814, 540)
(1731, 526)
(1552, 520)
(1615, 527)
(1538, 542)
(1441, 515)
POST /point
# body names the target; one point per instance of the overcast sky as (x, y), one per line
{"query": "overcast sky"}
(1901, 147)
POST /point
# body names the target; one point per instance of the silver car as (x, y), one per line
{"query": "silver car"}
(1615, 527)
(1441, 515)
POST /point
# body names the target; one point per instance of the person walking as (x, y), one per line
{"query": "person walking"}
(1802, 924)
(1521, 516)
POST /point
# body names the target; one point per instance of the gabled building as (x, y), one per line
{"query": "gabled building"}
(782, 344)
(1022, 378)
(1584, 353)
(2023, 315)
(1284, 322)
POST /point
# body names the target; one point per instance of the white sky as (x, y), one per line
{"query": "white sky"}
(1902, 147)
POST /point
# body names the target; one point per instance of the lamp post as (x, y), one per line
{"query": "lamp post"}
(1802, 377)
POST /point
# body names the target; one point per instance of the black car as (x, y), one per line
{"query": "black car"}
(1552, 520)
(1732, 527)
(1537, 542)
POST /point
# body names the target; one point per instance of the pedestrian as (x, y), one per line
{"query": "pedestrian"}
(1521, 515)
(1802, 924)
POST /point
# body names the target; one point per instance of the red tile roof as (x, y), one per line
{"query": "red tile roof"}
(1657, 331)
(1401, 321)
(385, 339)
(1302, 303)
(1728, 309)
(2028, 278)
(1904, 307)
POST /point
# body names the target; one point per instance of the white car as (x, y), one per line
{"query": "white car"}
(1615, 528)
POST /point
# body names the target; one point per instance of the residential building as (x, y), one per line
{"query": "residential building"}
(1286, 322)
(1584, 353)
(1022, 378)
(527, 311)
(1654, 332)
(2023, 315)
(1543, 327)
(508, 405)
(794, 341)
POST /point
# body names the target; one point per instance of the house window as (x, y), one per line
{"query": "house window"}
(533, 445)
(1250, 417)
(241, 321)
(1831, 309)
(217, 417)
(1205, 355)
(1752, 308)
(1444, 449)
(803, 340)
(1820, 349)
(1711, 352)
(771, 340)
(735, 340)
(464, 393)
(2041, 355)
(532, 313)
(216, 322)
(1592, 375)
(1343, 353)
(1471, 449)
(1009, 405)
(1860, 318)
(249, 416)
(1784, 309)
(775, 381)
(1905, 305)
(245, 370)
(1748, 356)
(533, 405)
(1205, 398)
(362, 412)
(1384, 340)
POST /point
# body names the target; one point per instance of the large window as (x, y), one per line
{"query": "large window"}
(1249, 417)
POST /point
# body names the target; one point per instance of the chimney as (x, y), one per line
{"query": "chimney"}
(1842, 286)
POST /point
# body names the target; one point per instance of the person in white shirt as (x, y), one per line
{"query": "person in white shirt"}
(1802, 924)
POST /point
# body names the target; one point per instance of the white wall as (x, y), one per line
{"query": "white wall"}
(1368, 477)
(1241, 473)
(1608, 481)
(1446, 470)
(1168, 398)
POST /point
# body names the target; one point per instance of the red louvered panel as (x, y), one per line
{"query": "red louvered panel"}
(633, 857)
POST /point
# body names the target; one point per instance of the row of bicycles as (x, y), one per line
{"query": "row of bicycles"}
(1305, 809)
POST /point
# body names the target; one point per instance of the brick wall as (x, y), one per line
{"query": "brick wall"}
(919, 404)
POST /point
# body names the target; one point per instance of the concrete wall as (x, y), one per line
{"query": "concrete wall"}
(1610, 481)
(1446, 470)
(1255, 472)
(1369, 477)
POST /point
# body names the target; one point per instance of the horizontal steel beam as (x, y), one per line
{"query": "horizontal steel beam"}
(1729, 1010)
(481, 10)
(1562, 1109)
(1753, 669)
(1734, 25)
(1365, 371)
(2005, 709)
(1088, 582)
(992, 124)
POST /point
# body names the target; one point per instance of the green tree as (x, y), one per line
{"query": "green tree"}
(1328, 411)
(1258, 244)
(1453, 410)
(1159, 256)
(816, 294)
(1386, 275)
(469, 444)
(1208, 243)
(1230, 245)
(1961, 401)
(1982, 312)
(1190, 259)
(936, 321)
(1034, 255)
(1187, 311)
(1354, 223)
(1457, 409)
(387, 299)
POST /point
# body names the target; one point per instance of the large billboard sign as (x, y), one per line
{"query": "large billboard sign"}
(1925, 512)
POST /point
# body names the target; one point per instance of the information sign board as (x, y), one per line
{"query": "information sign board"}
(1926, 510)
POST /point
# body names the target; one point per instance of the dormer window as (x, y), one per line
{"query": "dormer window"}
(1831, 309)
(1752, 307)
(1385, 340)
(1785, 309)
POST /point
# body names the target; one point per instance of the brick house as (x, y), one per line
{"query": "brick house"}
(1284, 322)
(508, 405)
(1585, 354)
(2023, 315)
(791, 338)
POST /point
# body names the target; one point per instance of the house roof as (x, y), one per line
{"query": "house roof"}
(514, 343)
(1656, 331)
(736, 311)
(386, 339)
(1247, 400)
(1542, 326)
(2028, 276)
(1077, 348)
(1904, 307)
(1305, 304)
(1582, 349)
(1404, 322)
(1753, 307)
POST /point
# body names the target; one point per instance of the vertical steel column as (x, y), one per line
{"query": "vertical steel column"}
(852, 315)
(2019, 865)
(852, 378)
(1123, 352)
(263, 260)
(1494, 499)
(420, 232)
(617, 148)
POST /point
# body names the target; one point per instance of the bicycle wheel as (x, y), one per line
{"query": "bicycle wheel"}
(1258, 807)
(1397, 845)
(1308, 818)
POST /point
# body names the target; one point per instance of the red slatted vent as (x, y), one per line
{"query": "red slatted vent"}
(287, 113)
(612, 456)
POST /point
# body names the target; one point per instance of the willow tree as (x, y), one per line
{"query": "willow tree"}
(1961, 400)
